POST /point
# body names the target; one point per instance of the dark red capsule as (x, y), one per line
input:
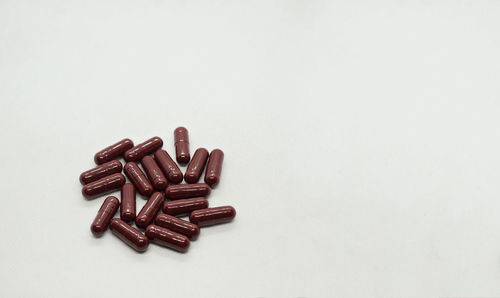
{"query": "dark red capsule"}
(181, 139)
(112, 152)
(183, 191)
(214, 168)
(127, 207)
(128, 234)
(196, 166)
(104, 215)
(184, 206)
(148, 212)
(212, 216)
(168, 166)
(102, 186)
(101, 171)
(167, 238)
(178, 225)
(154, 173)
(138, 178)
(137, 152)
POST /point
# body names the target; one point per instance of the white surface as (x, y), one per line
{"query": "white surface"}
(361, 144)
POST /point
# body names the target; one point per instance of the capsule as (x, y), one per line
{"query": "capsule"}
(138, 178)
(168, 166)
(102, 186)
(184, 206)
(181, 139)
(178, 225)
(196, 166)
(101, 171)
(148, 212)
(167, 238)
(139, 151)
(127, 207)
(104, 215)
(154, 173)
(128, 234)
(113, 152)
(214, 168)
(212, 216)
(183, 191)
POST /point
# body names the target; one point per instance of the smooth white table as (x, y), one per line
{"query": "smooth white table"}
(361, 144)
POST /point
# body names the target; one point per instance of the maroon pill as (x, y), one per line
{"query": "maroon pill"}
(127, 207)
(167, 238)
(212, 216)
(178, 225)
(102, 186)
(148, 212)
(154, 173)
(183, 191)
(137, 152)
(112, 152)
(168, 166)
(196, 166)
(128, 234)
(214, 168)
(184, 206)
(104, 215)
(181, 140)
(101, 171)
(138, 178)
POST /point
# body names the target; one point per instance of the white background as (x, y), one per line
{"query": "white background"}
(361, 144)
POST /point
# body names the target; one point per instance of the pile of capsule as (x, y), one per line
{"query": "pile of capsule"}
(161, 184)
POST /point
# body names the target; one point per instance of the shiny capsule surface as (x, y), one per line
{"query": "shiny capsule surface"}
(214, 168)
(148, 212)
(181, 139)
(137, 152)
(155, 175)
(101, 171)
(127, 207)
(103, 186)
(212, 216)
(178, 225)
(196, 166)
(113, 152)
(138, 178)
(104, 216)
(183, 191)
(168, 166)
(167, 238)
(184, 206)
(128, 234)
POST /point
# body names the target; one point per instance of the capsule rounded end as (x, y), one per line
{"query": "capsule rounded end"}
(183, 244)
(127, 216)
(141, 222)
(129, 155)
(183, 158)
(97, 230)
(149, 232)
(233, 211)
(82, 179)
(147, 191)
(195, 234)
(157, 140)
(160, 185)
(208, 189)
(191, 178)
(175, 178)
(86, 193)
(193, 217)
(212, 181)
(142, 244)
